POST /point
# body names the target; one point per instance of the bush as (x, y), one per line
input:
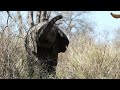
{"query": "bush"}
(83, 59)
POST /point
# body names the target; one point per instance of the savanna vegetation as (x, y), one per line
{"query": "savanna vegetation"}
(86, 57)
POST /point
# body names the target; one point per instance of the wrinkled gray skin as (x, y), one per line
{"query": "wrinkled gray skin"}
(50, 41)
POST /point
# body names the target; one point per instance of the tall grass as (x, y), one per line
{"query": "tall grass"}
(12, 57)
(84, 59)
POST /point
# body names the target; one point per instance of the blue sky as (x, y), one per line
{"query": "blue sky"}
(104, 22)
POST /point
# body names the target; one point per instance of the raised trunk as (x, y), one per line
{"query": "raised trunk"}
(52, 22)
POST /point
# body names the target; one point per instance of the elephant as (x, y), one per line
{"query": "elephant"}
(50, 40)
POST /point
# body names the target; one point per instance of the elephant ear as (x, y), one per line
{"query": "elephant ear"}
(61, 42)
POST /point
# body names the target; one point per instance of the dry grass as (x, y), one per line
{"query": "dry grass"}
(87, 60)
(12, 57)
(83, 59)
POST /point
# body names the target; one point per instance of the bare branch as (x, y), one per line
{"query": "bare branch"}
(43, 16)
(77, 15)
(48, 15)
(30, 19)
(9, 16)
(38, 14)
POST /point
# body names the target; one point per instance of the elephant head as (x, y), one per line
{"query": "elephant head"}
(50, 35)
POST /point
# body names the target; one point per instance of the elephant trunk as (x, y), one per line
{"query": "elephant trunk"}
(52, 22)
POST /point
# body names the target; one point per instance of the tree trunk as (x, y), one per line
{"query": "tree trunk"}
(30, 45)
(43, 16)
(30, 19)
(21, 30)
(38, 14)
(31, 42)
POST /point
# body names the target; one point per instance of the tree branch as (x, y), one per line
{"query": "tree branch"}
(9, 16)
(30, 19)
(38, 14)
(43, 16)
